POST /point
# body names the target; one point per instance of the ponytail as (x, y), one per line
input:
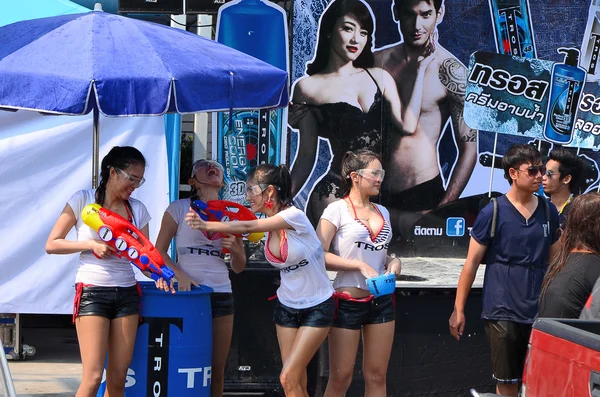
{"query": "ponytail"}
(278, 176)
(285, 185)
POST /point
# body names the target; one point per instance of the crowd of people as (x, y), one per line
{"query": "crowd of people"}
(542, 260)
(542, 254)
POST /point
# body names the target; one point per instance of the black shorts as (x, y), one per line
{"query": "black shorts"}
(353, 314)
(221, 304)
(318, 316)
(109, 302)
(508, 344)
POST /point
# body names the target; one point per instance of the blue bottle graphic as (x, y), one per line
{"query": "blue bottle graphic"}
(565, 90)
(257, 28)
(512, 28)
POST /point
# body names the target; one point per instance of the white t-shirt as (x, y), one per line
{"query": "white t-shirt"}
(304, 280)
(198, 255)
(353, 241)
(112, 271)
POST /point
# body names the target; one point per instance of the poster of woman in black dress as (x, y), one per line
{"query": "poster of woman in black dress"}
(345, 103)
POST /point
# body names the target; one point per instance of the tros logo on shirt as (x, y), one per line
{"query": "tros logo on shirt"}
(204, 251)
(292, 268)
(370, 247)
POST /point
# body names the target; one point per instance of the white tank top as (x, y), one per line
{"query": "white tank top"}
(199, 254)
(353, 240)
(304, 280)
(112, 271)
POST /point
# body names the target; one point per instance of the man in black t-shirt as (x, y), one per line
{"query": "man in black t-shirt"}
(561, 179)
(517, 258)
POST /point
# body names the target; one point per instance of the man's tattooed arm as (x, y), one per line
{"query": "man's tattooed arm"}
(453, 75)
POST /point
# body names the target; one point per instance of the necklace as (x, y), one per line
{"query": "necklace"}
(565, 204)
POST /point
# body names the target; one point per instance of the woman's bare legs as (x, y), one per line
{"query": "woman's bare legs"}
(377, 349)
(92, 334)
(343, 347)
(222, 332)
(298, 346)
(122, 335)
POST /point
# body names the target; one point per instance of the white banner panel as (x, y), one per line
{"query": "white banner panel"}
(43, 161)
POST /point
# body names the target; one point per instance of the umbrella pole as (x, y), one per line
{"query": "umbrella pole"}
(95, 147)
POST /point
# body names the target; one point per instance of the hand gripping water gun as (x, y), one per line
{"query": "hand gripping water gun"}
(127, 240)
(226, 211)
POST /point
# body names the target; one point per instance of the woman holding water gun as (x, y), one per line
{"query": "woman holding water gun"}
(200, 260)
(304, 308)
(359, 232)
(107, 304)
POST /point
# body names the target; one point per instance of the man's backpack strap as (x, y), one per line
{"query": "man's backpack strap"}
(494, 202)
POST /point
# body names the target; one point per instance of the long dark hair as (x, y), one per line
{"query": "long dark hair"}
(336, 10)
(353, 161)
(276, 175)
(120, 157)
(582, 232)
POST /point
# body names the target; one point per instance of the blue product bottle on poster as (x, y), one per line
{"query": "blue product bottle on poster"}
(565, 89)
(512, 27)
(257, 28)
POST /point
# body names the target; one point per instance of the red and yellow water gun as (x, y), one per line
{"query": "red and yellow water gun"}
(127, 241)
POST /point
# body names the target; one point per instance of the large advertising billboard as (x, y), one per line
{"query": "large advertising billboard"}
(393, 76)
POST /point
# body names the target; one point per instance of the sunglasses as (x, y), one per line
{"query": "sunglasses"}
(374, 174)
(137, 182)
(534, 170)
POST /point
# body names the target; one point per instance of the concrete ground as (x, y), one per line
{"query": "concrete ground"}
(54, 370)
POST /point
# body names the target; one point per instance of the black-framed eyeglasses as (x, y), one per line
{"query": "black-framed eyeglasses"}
(137, 182)
(534, 170)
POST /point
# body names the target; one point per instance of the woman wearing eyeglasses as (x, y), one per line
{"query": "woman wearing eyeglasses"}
(355, 234)
(305, 307)
(107, 304)
(200, 260)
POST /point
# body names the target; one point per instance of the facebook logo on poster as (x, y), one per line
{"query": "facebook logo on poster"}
(455, 227)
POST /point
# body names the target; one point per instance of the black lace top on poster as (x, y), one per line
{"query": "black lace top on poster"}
(349, 128)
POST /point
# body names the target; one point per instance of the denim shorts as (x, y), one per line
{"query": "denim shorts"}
(221, 304)
(109, 302)
(352, 314)
(318, 316)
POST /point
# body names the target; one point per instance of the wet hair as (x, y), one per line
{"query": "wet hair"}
(569, 164)
(336, 10)
(581, 232)
(437, 4)
(353, 161)
(276, 175)
(518, 155)
(121, 157)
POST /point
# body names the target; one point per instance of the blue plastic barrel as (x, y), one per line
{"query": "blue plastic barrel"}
(173, 348)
